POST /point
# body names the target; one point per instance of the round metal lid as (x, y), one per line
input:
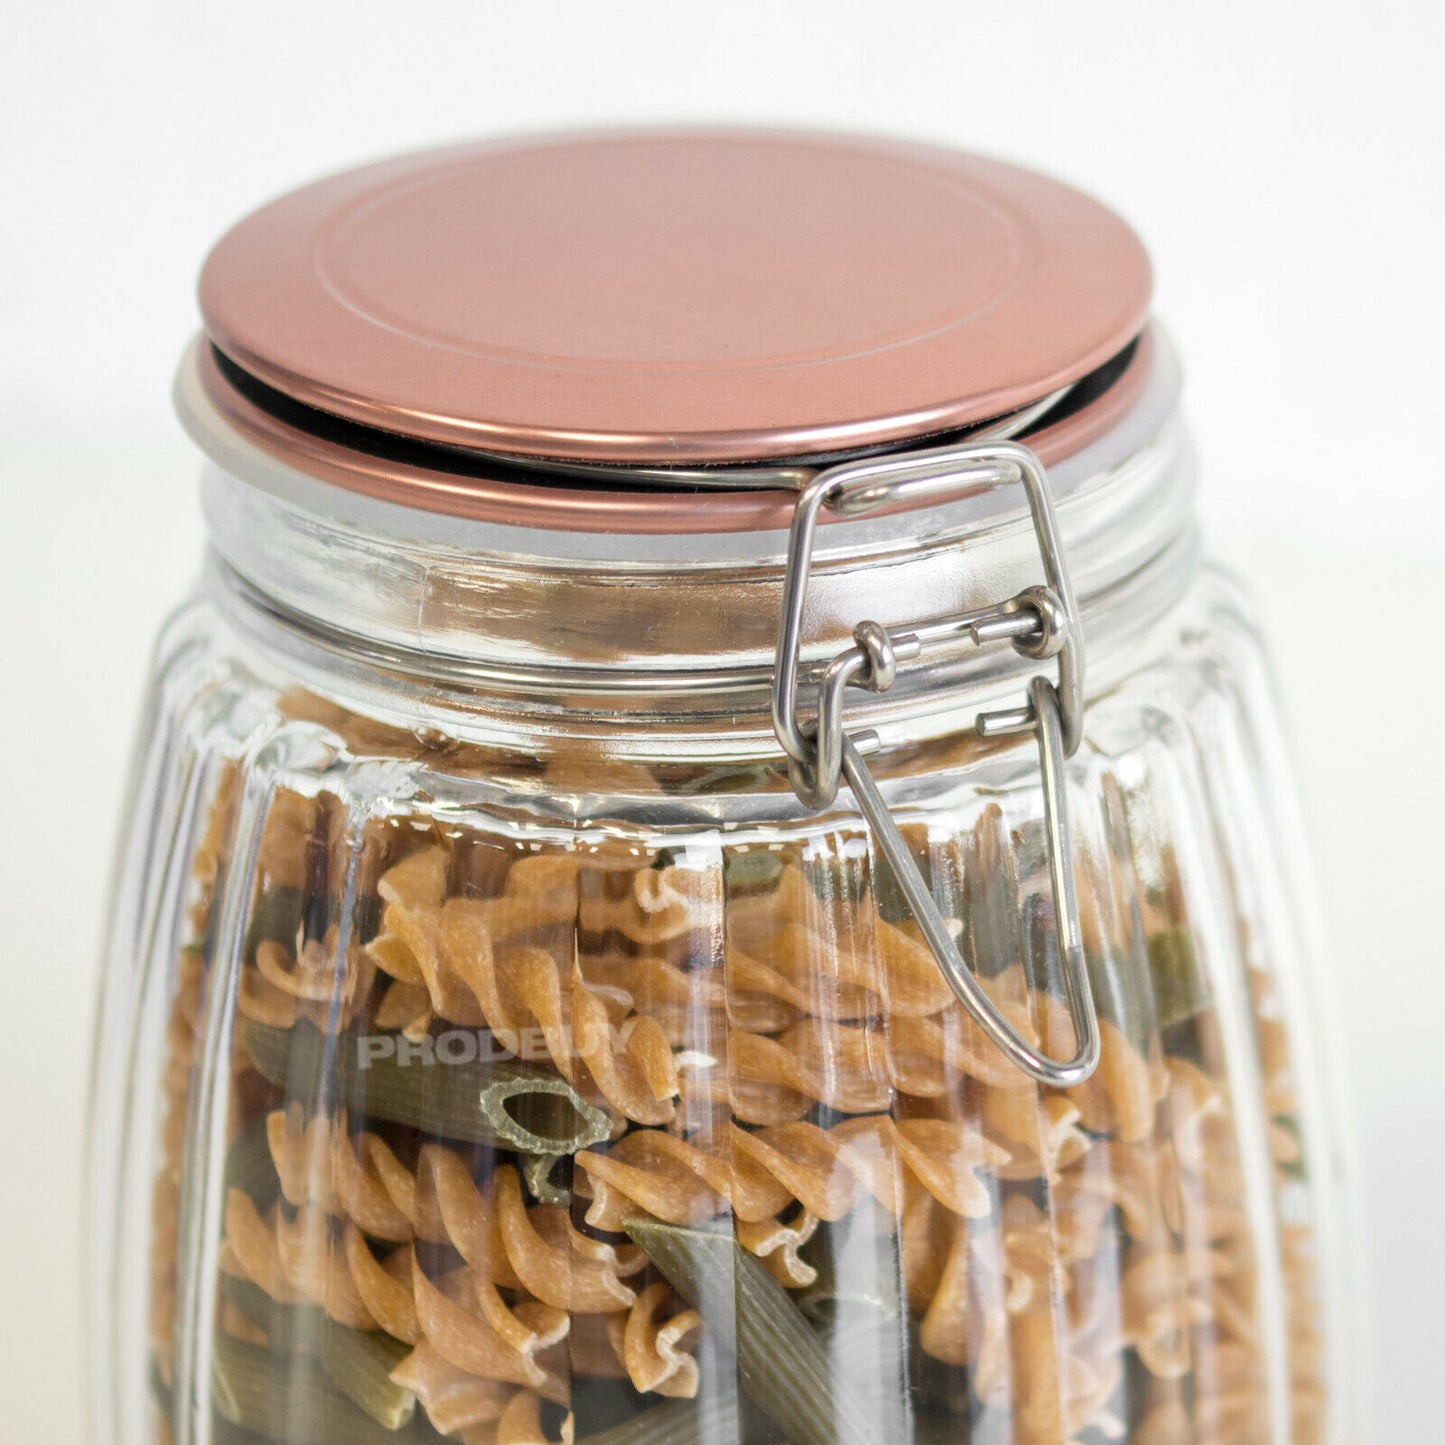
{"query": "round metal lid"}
(676, 296)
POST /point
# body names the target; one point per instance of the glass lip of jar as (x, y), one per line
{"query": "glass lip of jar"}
(628, 622)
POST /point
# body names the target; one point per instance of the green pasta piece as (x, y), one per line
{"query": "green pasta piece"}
(1124, 990)
(758, 868)
(1119, 983)
(934, 1425)
(782, 1364)
(225, 1433)
(1132, 1399)
(294, 1059)
(357, 1363)
(162, 1396)
(276, 918)
(249, 1166)
(1294, 1168)
(868, 1285)
(289, 1398)
(888, 896)
(727, 778)
(994, 918)
(1180, 988)
(838, 882)
(678, 1422)
(222, 1431)
(537, 1173)
(482, 1102)
(550, 1116)
(857, 1304)
(252, 1301)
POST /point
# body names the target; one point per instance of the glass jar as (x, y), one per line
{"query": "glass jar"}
(516, 1031)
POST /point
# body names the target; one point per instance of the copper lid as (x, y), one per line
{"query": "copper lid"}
(675, 296)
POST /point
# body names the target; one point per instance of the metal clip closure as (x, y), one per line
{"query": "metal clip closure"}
(1041, 622)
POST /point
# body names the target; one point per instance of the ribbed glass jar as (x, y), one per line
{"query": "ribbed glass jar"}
(529, 1065)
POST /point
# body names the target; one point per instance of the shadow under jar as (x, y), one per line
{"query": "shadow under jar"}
(635, 926)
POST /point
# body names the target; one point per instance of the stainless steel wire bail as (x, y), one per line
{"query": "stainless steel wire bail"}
(1040, 622)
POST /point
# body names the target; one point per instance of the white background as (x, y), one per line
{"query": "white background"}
(1284, 164)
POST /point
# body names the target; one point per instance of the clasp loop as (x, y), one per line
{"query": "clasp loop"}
(1040, 622)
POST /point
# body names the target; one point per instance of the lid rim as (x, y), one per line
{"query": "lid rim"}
(752, 294)
(227, 426)
(539, 467)
(719, 448)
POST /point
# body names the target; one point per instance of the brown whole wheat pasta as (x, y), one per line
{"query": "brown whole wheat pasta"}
(739, 1060)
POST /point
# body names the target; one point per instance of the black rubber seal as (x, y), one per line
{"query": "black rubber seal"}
(464, 462)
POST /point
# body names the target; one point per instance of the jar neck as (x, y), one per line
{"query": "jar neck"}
(626, 631)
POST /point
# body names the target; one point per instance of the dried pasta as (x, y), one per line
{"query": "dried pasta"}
(652, 1341)
(743, 1158)
(757, 1174)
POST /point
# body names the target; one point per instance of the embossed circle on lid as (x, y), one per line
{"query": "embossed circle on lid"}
(676, 296)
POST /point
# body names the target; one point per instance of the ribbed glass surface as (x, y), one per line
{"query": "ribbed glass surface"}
(523, 1096)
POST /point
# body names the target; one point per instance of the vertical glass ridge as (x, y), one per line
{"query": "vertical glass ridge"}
(171, 774)
(270, 752)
